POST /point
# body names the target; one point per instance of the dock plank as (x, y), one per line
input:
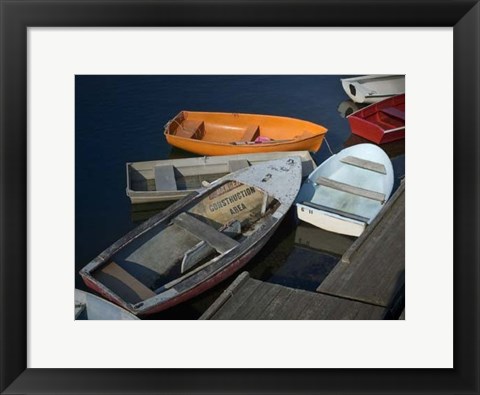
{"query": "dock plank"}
(234, 303)
(250, 299)
(278, 307)
(373, 269)
(250, 302)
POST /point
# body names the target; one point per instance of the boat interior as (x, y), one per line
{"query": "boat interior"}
(167, 177)
(240, 128)
(166, 254)
(390, 117)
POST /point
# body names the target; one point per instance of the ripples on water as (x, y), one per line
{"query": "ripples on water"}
(120, 119)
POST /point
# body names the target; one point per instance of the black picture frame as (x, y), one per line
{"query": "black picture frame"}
(18, 15)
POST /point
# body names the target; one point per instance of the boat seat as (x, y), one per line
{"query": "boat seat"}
(202, 250)
(237, 164)
(165, 178)
(251, 133)
(340, 186)
(205, 232)
(336, 211)
(123, 283)
(394, 112)
(191, 129)
(364, 164)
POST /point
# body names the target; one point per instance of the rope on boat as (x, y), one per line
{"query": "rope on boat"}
(328, 146)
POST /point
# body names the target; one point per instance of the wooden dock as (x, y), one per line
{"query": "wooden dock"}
(250, 299)
(372, 270)
(367, 283)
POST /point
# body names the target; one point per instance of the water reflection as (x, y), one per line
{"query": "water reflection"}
(143, 211)
(392, 149)
(316, 239)
(347, 107)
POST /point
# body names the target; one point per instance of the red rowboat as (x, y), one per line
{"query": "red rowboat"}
(380, 122)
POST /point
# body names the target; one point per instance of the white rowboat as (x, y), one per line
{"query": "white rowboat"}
(373, 88)
(346, 192)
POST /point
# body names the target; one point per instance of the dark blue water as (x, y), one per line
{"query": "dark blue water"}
(120, 119)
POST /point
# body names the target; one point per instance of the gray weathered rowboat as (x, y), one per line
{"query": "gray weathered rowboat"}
(198, 241)
(91, 307)
(173, 179)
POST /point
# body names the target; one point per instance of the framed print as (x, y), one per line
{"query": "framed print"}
(56, 56)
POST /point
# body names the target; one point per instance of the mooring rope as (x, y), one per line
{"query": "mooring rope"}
(328, 146)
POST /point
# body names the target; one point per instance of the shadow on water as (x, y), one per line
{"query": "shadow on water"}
(396, 304)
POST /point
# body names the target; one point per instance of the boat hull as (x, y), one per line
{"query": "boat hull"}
(216, 279)
(207, 133)
(329, 221)
(376, 122)
(373, 88)
(199, 147)
(149, 247)
(345, 193)
(91, 307)
(141, 183)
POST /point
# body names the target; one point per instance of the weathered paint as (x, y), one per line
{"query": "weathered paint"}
(280, 179)
(140, 175)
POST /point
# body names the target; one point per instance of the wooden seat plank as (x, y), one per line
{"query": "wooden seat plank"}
(251, 133)
(116, 271)
(205, 232)
(165, 178)
(237, 164)
(340, 186)
(364, 164)
(394, 112)
(190, 129)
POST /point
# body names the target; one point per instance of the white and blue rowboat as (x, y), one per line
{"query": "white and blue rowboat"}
(346, 192)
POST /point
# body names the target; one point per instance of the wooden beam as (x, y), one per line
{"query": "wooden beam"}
(364, 164)
(205, 232)
(117, 272)
(340, 186)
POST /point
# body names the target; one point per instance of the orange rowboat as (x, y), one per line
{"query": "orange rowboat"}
(209, 133)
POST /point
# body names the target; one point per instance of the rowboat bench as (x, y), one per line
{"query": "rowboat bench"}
(123, 283)
(217, 240)
(165, 178)
(251, 133)
(394, 112)
(191, 129)
(340, 186)
(364, 164)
